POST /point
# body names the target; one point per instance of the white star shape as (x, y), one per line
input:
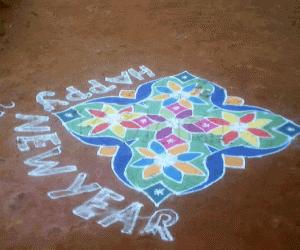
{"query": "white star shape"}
(184, 77)
(159, 192)
(170, 141)
(206, 125)
(290, 129)
(68, 115)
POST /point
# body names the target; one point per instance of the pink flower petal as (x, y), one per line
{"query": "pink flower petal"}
(97, 113)
(127, 110)
(230, 136)
(100, 128)
(247, 118)
(219, 121)
(259, 132)
(128, 124)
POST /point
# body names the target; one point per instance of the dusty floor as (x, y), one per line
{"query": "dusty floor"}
(249, 48)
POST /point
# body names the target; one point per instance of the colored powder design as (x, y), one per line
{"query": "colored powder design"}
(176, 135)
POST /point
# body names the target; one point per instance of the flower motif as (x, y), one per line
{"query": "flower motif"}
(246, 127)
(173, 163)
(174, 124)
(174, 92)
(109, 117)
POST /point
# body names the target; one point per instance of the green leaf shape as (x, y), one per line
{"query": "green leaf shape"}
(156, 126)
(166, 114)
(193, 119)
(182, 134)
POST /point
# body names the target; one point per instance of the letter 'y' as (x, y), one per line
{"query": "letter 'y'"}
(75, 188)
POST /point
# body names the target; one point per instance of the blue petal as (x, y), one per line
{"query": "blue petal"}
(195, 100)
(143, 162)
(164, 90)
(157, 148)
(169, 101)
(188, 156)
(173, 173)
(189, 88)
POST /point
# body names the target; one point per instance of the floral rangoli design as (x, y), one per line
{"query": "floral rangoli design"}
(176, 135)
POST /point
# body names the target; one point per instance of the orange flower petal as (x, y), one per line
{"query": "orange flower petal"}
(186, 104)
(146, 152)
(161, 97)
(179, 149)
(173, 86)
(188, 168)
(151, 171)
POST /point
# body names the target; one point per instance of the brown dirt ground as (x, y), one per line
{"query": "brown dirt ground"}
(249, 47)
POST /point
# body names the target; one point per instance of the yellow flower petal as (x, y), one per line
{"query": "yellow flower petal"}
(127, 117)
(195, 92)
(188, 168)
(221, 130)
(258, 123)
(118, 130)
(152, 170)
(109, 110)
(92, 122)
(250, 138)
(186, 104)
(146, 152)
(179, 149)
(230, 118)
(161, 97)
(173, 86)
